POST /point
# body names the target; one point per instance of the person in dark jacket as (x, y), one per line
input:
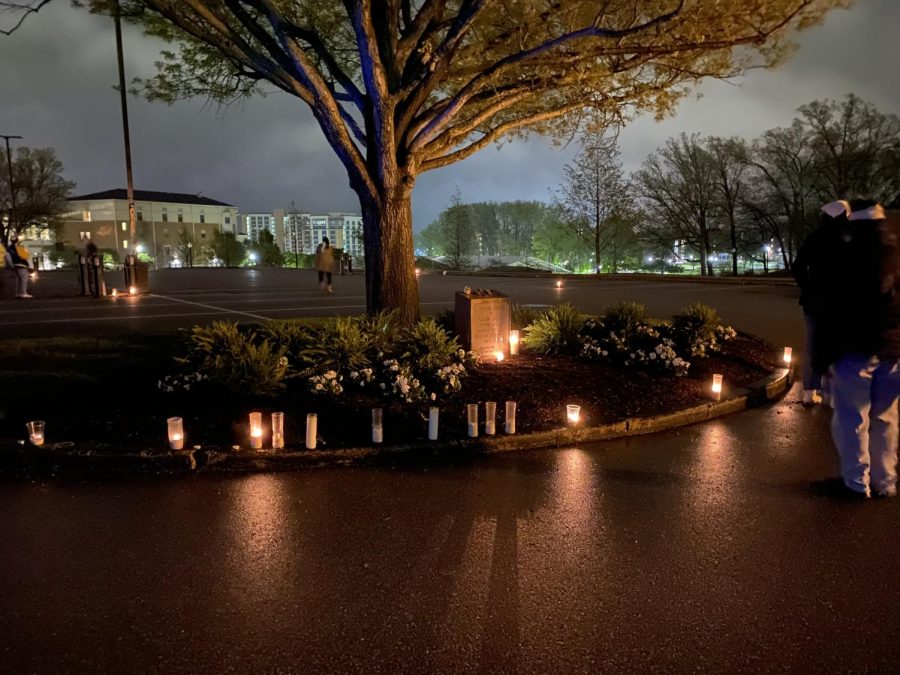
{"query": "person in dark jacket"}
(811, 269)
(862, 326)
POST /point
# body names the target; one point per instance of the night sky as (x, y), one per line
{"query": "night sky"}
(57, 75)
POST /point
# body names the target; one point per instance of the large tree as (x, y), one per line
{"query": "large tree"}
(594, 192)
(400, 87)
(677, 185)
(40, 190)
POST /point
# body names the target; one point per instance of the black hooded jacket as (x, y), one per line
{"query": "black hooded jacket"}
(857, 303)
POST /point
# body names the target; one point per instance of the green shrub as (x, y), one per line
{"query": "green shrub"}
(446, 319)
(624, 318)
(381, 330)
(238, 360)
(295, 337)
(698, 330)
(341, 343)
(521, 316)
(427, 346)
(556, 331)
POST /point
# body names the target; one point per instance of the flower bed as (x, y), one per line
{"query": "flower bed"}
(618, 365)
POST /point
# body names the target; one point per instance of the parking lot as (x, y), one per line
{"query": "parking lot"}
(183, 298)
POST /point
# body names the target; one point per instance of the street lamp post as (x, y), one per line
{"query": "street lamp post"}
(12, 185)
(129, 179)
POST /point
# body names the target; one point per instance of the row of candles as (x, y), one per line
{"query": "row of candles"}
(176, 425)
(573, 417)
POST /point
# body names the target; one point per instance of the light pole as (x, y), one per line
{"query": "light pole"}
(12, 185)
(129, 180)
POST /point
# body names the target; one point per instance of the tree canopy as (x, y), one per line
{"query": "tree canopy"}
(41, 190)
(400, 87)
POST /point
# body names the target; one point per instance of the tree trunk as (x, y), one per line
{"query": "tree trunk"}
(389, 253)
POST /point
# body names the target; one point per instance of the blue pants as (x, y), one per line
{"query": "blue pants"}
(865, 390)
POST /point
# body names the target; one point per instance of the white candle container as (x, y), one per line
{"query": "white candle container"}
(35, 432)
(433, 415)
(490, 418)
(312, 423)
(472, 414)
(573, 414)
(377, 428)
(499, 355)
(717, 387)
(788, 355)
(510, 424)
(176, 433)
(513, 342)
(256, 431)
(277, 430)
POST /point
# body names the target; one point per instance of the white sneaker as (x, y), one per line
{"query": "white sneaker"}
(810, 397)
(25, 295)
(330, 289)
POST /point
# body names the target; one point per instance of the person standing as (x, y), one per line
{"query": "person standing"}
(325, 264)
(811, 269)
(863, 322)
(18, 259)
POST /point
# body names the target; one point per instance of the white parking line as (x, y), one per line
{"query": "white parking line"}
(221, 309)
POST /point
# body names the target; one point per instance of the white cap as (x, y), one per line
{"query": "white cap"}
(875, 212)
(836, 209)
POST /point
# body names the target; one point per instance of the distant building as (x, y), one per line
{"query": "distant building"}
(297, 232)
(161, 217)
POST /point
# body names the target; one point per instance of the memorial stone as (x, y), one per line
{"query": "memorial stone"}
(483, 320)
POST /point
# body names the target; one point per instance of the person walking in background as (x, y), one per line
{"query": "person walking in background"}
(325, 264)
(859, 331)
(18, 259)
(811, 269)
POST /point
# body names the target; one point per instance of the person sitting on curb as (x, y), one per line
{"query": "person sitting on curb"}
(18, 259)
(860, 336)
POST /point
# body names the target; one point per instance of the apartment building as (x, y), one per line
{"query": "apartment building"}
(102, 217)
(297, 232)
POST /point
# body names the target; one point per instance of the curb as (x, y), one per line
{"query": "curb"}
(749, 280)
(215, 459)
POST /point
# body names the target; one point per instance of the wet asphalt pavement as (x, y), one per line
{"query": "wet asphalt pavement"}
(695, 550)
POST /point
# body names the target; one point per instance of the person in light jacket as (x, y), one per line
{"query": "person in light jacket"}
(325, 264)
(18, 259)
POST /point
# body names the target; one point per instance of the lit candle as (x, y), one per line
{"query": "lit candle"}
(788, 353)
(312, 421)
(176, 433)
(510, 424)
(433, 413)
(498, 355)
(277, 430)
(573, 413)
(559, 283)
(115, 292)
(35, 432)
(513, 342)
(256, 431)
(472, 410)
(132, 290)
(717, 386)
(377, 429)
(490, 415)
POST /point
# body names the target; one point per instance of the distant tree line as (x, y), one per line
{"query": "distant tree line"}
(693, 199)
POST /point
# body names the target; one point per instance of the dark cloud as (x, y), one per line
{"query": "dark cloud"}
(57, 73)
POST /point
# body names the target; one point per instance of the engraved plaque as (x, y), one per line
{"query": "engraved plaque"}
(482, 321)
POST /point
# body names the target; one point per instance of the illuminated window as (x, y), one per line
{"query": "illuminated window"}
(180, 216)
(124, 243)
(202, 217)
(86, 216)
(140, 214)
(165, 216)
(124, 226)
(202, 232)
